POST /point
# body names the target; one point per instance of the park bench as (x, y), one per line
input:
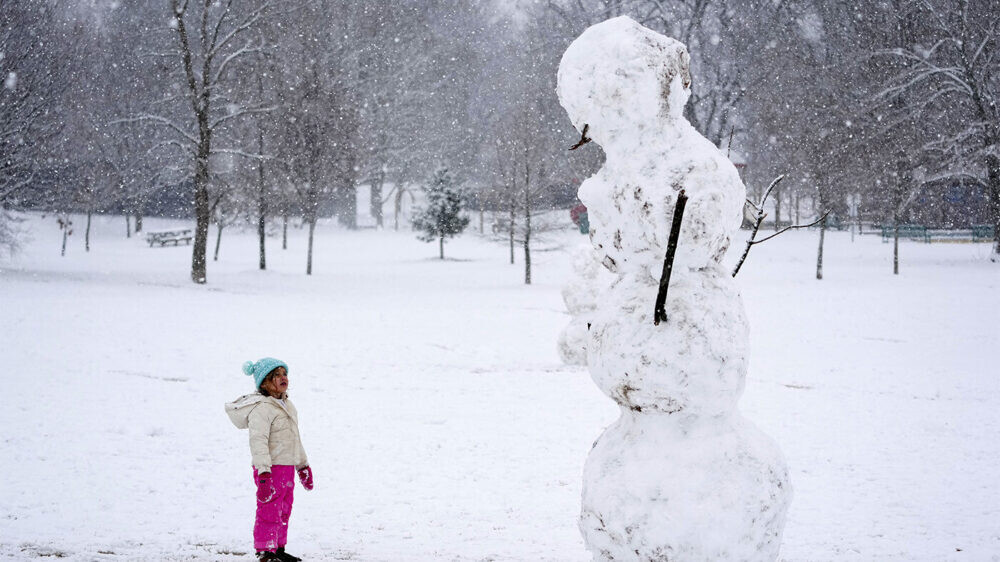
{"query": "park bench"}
(949, 235)
(164, 237)
(982, 232)
(977, 233)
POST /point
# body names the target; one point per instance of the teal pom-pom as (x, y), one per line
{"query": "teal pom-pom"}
(248, 368)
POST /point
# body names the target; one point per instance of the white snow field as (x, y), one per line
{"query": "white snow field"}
(437, 416)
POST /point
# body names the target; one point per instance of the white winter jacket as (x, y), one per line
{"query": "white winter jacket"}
(274, 430)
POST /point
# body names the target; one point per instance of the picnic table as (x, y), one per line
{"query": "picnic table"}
(172, 236)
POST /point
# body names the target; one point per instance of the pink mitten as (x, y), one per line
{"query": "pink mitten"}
(265, 489)
(306, 477)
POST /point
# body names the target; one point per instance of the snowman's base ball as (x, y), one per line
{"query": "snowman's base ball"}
(655, 490)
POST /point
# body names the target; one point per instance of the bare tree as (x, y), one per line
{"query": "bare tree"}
(953, 78)
(393, 79)
(210, 38)
(758, 219)
(30, 85)
(317, 149)
(524, 173)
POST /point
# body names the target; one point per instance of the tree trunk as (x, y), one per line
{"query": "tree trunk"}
(202, 217)
(201, 104)
(527, 261)
(527, 230)
(441, 247)
(218, 240)
(309, 252)
(397, 206)
(65, 234)
(512, 243)
(898, 202)
(86, 235)
(527, 219)
(777, 209)
(853, 206)
(128, 226)
(138, 222)
(993, 174)
(284, 231)
(261, 232)
(261, 200)
(375, 204)
(895, 248)
(511, 231)
(819, 254)
(796, 198)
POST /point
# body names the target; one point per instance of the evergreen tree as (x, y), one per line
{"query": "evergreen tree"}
(440, 218)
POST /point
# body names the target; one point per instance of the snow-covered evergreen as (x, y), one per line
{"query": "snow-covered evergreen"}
(441, 216)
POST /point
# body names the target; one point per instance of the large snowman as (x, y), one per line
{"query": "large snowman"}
(681, 475)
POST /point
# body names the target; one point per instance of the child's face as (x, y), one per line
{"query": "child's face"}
(276, 383)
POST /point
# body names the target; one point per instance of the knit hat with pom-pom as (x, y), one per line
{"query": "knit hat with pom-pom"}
(261, 368)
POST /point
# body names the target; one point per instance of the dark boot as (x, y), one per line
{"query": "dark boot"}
(285, 557)
(268, 556)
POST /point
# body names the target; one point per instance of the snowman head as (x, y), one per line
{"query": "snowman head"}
(619, 76)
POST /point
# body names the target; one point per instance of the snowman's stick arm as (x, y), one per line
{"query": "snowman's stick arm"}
(659, 311)
(787, 228)
(757, 223)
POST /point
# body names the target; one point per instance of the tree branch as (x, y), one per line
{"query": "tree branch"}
(757, 222)
(791, 227)
(159, 120)
(240, 113)
(247, 22)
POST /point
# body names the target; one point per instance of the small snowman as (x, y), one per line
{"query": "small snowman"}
(681, 475)
(580, 297)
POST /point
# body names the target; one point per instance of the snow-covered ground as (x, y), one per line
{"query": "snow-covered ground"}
(435, 411)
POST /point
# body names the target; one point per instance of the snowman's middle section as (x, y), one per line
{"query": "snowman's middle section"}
(693, 364)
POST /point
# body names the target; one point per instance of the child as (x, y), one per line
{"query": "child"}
(276, 451)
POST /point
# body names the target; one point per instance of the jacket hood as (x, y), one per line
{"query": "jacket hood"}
(239, 410)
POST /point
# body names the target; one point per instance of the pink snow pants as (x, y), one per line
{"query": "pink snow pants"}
(270, 529)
